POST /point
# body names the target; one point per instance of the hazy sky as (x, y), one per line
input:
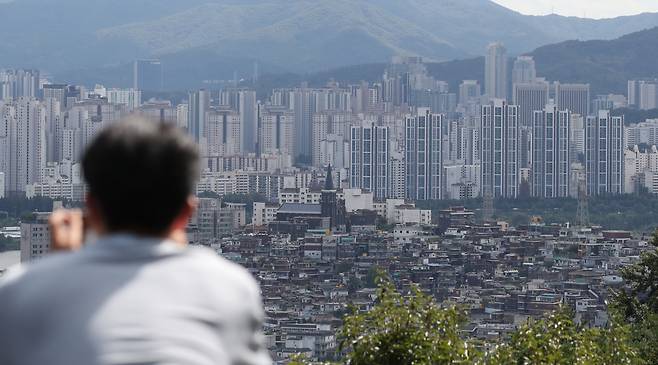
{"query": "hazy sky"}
(582, 8)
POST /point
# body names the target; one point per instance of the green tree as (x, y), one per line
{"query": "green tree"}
(637, 304)
(557, 340)
(401, 330)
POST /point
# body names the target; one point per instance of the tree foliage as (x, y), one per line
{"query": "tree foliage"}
(414, 329)
(637, 304)
(402, 330)
(557, 340)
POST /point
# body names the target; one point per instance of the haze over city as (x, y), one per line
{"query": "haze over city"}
(328, 181)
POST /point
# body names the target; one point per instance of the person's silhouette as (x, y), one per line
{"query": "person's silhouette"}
(138, 294)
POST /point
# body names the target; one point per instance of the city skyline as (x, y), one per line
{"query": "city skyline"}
(356, 161)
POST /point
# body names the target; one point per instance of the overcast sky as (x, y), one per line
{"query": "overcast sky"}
(582, 8)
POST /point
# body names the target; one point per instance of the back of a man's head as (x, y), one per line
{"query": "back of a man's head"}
(140, 175)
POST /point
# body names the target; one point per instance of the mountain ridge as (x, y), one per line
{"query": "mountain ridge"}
(297, 34)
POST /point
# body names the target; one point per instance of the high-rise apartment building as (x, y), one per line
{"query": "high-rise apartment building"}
(277, 131)
(369, 162)
(23, 134)
(424, 155)
(604, 153)
(642, 133)
(530, 97)
(572, 97)
(198, 104)
(19, 83)
(577, 138)
(222, 133)
(245, 103)
(499, 143)
(643, 94)
(325, 124)
(303, 104)
(159, 111)
(131, 98)
(148, 75)
(551, 164)
(495, 71)
(57, 92)
(469, 92)
(524, 70)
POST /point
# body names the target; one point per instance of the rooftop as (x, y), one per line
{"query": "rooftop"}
(293, 208)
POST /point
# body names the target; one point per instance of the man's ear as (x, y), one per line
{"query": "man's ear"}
(186, 212)
(94, 216)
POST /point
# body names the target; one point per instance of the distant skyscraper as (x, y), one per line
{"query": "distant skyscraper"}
(499, 155)
(643, 94)
(131, 98)
(424, 155)
(245, 103)
(303, 104)
(399, 78)
(277, 134)
(530, 97)
(199, 102)
(469, 91)
(148, 75)
(19, 83)
(572, 97)
(369, 150)
(23, 139)
(329, 123)
(551, 164)
(495, 72)
(222, 133)
(54, 115)
(57, 92)
(524, 70)
(604, 154)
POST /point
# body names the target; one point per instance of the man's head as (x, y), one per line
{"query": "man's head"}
(141, 176)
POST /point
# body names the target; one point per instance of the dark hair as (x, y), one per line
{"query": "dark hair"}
(141, 173)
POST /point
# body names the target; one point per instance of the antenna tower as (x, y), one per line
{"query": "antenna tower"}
(487, 204)
(582, 214)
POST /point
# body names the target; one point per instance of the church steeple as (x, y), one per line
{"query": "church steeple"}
(329, 180)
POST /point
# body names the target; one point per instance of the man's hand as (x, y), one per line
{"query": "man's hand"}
(66, 230)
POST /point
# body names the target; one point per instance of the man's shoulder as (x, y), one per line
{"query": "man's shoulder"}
(209, 261)
(47, 267)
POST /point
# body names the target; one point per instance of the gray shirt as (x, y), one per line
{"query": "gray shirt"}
(125, 300)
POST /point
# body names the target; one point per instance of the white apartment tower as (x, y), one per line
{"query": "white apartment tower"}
(524, 70)
(24, 142)
(424, 155)
(198, 104)
(495, 71)
(550, 153)
(370, 159)
(499, 143)
(222, 133)
(604, 154)
(277, 131)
